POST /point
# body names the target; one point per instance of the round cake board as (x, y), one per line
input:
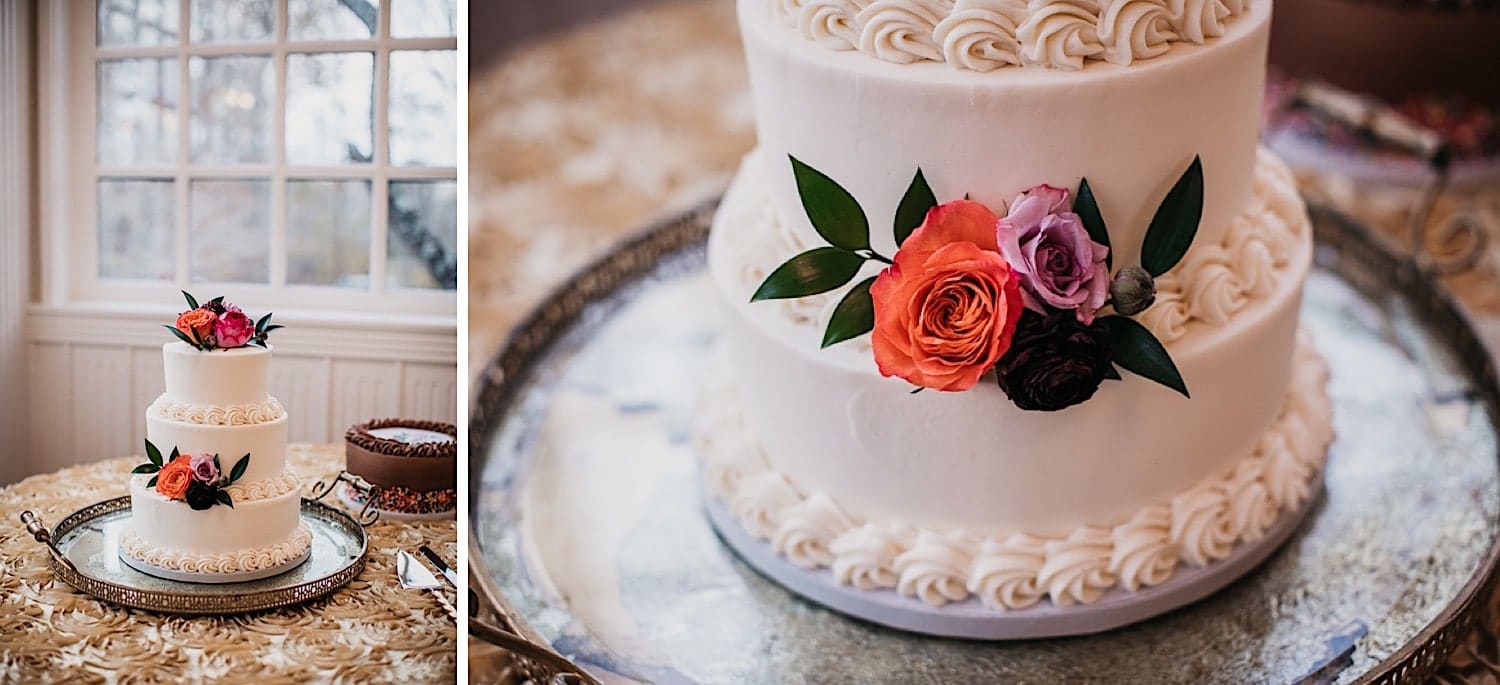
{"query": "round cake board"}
(346, 495)
(970, 619)
(214, 578)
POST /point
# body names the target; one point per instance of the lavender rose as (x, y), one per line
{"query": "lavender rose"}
(1048, 246)
(204, 469)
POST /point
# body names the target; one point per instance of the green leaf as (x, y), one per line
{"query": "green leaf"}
(239, 468)
(913, 208)
(1138, 351)
(224, 499)
(272, 327)
(1087, 209)
(1175, 223)
(192, 301)
(1111, 373)
(854, 316)
(815, 271)
(153, 454)
(260, 326)
(182, 336)
(832, 210)
(217, 301)
(175, 455)
(146, 468)
(152, 483)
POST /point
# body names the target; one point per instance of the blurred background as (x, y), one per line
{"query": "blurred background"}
(295, 156)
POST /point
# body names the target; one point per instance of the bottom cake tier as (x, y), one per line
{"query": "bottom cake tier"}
(1199, 527)
(261, 535)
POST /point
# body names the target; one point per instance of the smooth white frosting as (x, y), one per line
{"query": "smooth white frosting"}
(869, 124)
(236, 561)
(217, 378)
(1198, 526)
(231, 415)
(251, 523)
(264, 442)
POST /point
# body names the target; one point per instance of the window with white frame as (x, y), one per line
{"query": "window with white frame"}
(300, 150)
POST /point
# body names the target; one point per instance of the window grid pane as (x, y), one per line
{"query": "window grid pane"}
(230, 233)
(226, 21)
(422, 128)
(328, 233)
(137, 22)
(330, 104)
(232, 108)
(328, 121)
(332, 19)
(422, 235)
(137, 111)
(136, 219)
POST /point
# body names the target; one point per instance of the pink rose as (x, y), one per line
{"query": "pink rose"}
(233, 328)
(946, 310)
(1050, 249)
(204, 469)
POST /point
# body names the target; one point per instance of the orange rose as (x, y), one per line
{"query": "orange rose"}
(172, 480)
(946, 310)
(197, 323)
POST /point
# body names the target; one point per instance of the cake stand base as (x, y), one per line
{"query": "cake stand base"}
(212, 578)
(972, 620)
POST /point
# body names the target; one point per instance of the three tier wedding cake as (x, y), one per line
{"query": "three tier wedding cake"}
(1011, 300)
(215, 501)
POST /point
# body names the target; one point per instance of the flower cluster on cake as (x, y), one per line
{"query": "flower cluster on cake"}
(970, 291)
(986, 401)
(194, 515)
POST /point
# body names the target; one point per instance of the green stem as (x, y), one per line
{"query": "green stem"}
(878, 257)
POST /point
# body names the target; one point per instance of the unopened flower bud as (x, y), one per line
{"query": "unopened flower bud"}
(1132, 290)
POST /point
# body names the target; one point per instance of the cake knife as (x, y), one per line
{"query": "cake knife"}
(441, 565)
(415, 576)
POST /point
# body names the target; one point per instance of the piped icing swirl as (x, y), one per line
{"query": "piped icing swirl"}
(1198, 526)
(228, 415)
(982, 35)
(269, 488)
(255, 559)
(936, 568)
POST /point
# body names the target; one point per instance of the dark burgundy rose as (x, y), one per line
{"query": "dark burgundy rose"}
(200, 496)
(1054, 361)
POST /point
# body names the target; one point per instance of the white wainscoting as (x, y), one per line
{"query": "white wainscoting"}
(92, 376)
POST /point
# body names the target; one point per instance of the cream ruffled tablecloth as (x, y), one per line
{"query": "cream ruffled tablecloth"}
(577, 141)
(369, 631)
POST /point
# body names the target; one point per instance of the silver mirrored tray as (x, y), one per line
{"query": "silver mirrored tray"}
(587, 515)
(84, 551)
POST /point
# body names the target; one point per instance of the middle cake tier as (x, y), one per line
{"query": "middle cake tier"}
(188, 433)
(973, 461)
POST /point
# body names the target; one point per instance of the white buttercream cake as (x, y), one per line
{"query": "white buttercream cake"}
(236, 513)
(848, 458)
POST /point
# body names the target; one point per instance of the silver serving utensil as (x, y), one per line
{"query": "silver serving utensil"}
(415, 576)
(442, 566)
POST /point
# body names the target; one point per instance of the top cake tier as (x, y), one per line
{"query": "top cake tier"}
(1077, 108)
(219, 378)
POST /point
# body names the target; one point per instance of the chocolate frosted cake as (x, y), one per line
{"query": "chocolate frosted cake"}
(413, 462)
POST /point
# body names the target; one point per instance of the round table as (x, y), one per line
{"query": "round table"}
(371, 630)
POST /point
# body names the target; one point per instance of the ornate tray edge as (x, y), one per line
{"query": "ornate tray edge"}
(170, 603)
(1414, 662)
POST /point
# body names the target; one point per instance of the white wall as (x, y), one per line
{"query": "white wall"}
(92, 375)
(15, 227)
